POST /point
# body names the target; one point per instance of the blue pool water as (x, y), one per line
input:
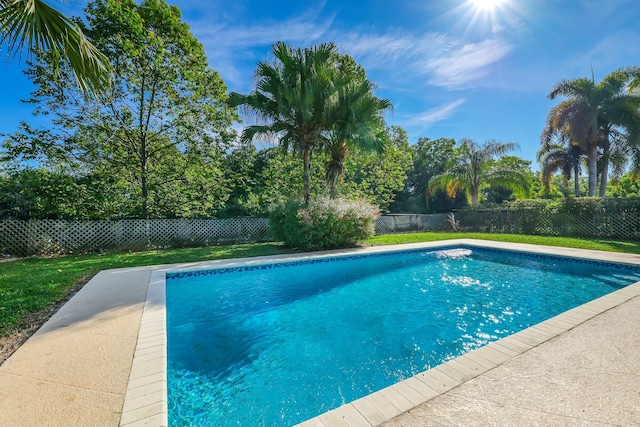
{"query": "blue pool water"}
(280, 343)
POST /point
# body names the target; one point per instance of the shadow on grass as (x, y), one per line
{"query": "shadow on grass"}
(620, 246)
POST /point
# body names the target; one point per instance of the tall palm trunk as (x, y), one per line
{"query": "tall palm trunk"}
(605, 169)
(593, 169)
(333, 189)
(475, 200)
(144, 211)
(336, 166)
(475, 184)
(576, 180)
(306, 177)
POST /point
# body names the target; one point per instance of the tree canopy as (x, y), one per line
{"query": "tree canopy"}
(292, 100)
(163, 126)
(313, 99)
(596, 116)
(356, 119)
(472, 168)
(159, 140)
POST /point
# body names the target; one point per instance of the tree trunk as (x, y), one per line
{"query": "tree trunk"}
(593, 169)
(145, 197)
(144, 184)
(337, 167)
(306, 177)
(576, 181)
(474, 199)
(605, 170)
(333, 189)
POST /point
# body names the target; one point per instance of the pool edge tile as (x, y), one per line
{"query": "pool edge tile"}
(376, 408)
(145, 401)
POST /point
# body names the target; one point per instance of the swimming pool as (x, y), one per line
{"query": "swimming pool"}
(209, 371)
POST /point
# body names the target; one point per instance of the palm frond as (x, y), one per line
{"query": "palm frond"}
(514, 180)
(39, 27)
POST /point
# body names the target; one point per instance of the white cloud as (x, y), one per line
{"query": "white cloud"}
(446, 62)
(397, 55)
(606, 56)
(228, 44)
(463, 65)
(392, 49)
(435, 114)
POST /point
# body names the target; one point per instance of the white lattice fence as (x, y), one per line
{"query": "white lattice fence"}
(400, 223)
(34, 237)
(37, 237)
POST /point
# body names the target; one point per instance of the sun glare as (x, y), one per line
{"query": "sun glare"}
(486, 5)
(488, 15)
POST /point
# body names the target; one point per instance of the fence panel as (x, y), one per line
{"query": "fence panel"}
(37, 237)
(40, 237)
(402, 223)
(553, 222)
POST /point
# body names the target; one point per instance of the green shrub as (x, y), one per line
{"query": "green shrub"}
(278, 218)
(323, 224)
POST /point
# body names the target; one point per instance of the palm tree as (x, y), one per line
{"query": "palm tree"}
(564, 157)
(471, 171)
(634, 88)
(293, 96)
(592, 113)
(357, 120)
(41, 28)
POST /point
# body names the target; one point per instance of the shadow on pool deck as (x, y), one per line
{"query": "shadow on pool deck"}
(75, 369)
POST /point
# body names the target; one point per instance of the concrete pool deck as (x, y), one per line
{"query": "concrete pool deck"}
(579, 368)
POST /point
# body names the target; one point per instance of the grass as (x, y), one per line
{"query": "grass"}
(30, 288)
(567, 242)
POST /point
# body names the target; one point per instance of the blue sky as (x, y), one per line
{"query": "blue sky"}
(451, 68)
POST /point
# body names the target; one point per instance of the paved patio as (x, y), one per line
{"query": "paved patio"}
(581, 368)
(588, 376)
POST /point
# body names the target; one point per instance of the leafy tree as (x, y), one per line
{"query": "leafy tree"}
(43, 194)
(282, 178)
(245, 173)
(498, 194)
(429, 159)
(269, 177)
(261, 179)
(627, 186)
(163, 126)
(292, 96)
(40, 27)
(356, 119)
(559, 187)
(592, 115)
(377, 178)
(472, 169)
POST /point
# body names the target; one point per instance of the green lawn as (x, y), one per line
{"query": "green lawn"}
(30, 287)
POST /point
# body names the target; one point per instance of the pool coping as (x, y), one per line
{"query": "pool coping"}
(145, 401)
